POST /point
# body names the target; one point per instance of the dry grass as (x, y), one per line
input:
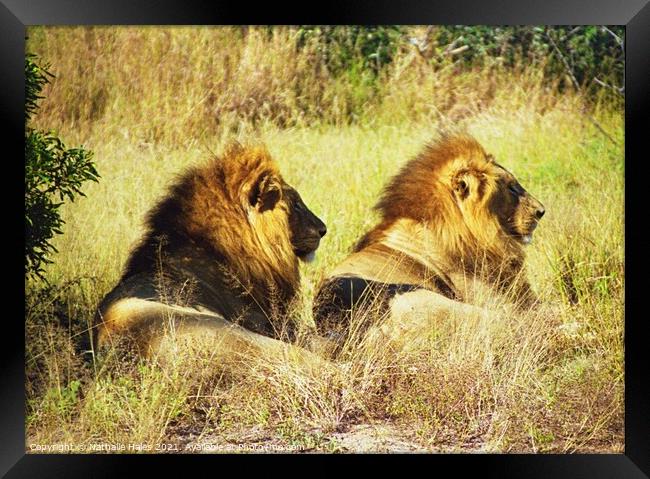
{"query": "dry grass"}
(150, 101)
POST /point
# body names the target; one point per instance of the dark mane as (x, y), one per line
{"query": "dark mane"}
(202, 222)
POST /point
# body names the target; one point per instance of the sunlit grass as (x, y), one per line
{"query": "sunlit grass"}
(545, 381)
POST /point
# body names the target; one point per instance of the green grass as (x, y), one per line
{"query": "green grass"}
(550, 381)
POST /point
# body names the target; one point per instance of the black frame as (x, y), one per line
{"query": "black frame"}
(634, 14)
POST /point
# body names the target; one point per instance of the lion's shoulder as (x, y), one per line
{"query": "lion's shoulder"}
(369, 278)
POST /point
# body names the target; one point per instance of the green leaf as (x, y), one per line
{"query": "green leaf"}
(51, 171)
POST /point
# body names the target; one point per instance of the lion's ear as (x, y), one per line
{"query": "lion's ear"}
(266, 192)
(460, 184)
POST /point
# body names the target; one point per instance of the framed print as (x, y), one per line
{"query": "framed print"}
(376, 230)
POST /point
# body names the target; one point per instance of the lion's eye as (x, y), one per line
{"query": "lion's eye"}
(514, 189)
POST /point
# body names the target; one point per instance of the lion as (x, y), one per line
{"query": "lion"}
(454, 222)
(218, 263)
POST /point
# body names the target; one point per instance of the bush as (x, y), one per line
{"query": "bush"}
(346, 48)
(589, 52)
(53, 173)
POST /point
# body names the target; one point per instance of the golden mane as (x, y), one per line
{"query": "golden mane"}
(209, 209)
(422, 191)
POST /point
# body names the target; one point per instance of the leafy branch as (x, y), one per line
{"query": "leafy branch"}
(53, 174)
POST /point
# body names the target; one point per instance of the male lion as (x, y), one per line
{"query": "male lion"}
(451, 219)
(218, 263)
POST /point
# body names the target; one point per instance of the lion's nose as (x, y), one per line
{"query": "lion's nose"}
(322, 231)
(539, 213)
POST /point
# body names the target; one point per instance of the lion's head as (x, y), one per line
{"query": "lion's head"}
(465, 197)
(239, 209)
(488, 194)
(271, 202)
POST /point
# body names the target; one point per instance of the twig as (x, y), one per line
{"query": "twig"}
(423, 45)
(564, 61)
(452, 45)
(456, 50)
(569, 71)
(600, 128)
(615, 88)
(618, 39)
(621, 44)
(575, 30)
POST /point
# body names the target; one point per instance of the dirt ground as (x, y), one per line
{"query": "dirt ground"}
(360, 438)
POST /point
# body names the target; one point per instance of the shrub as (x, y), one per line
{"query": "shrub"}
(592, 53)
(349, 48)
(53, 174)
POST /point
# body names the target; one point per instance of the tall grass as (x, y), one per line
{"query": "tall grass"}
(150, 101)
